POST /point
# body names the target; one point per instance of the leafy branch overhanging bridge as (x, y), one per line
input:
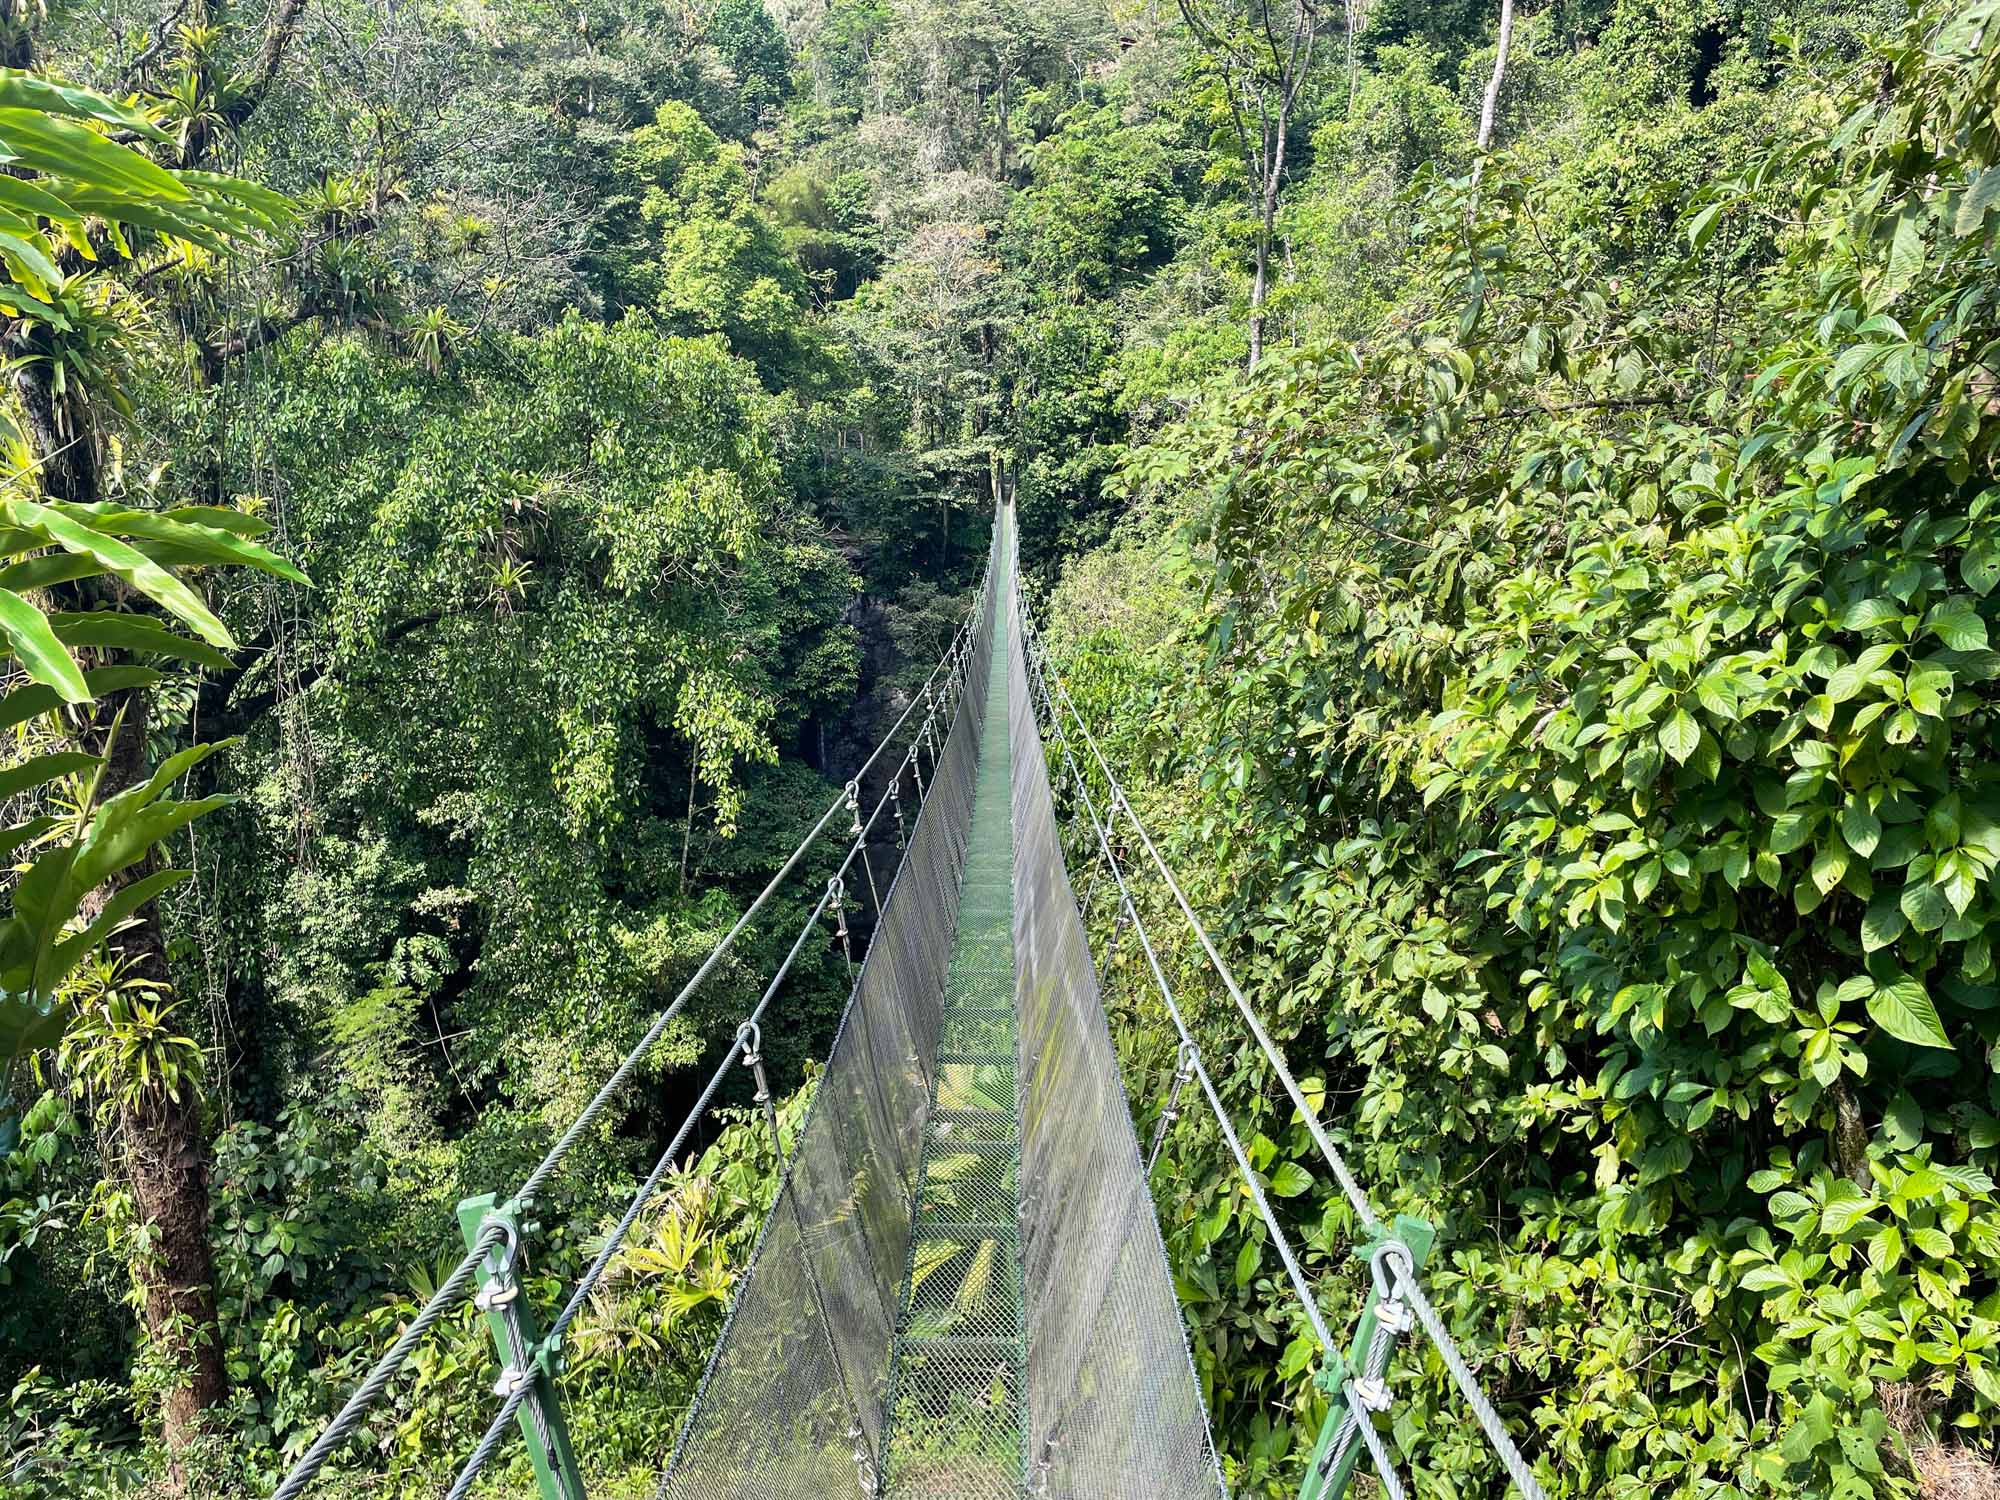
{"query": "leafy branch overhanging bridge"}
(960, 1290)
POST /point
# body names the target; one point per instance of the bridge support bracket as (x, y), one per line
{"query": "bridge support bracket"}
(524, 1353)
(1348, 1376)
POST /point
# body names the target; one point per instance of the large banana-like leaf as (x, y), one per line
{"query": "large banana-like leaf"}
(30, 263)
(110, 629)
(27, 1023)
(19, 90)
(117, 558)
(26, 833)
(29, 702)
(43, 769)
(63, 148)
(33, 644)
(28, 199)
(71, 951)
(190, 541)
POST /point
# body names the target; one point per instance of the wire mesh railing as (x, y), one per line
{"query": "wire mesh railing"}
(1038, 1347)
(1355, 1379)
(1115, 1405)
(794, 1398)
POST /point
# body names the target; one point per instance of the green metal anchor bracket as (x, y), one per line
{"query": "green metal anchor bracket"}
(524, 1353)
(1334, 1461)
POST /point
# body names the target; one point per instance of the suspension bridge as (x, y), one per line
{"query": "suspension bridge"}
(960, 1290)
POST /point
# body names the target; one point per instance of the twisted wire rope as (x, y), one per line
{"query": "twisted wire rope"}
(384, 1371)
(1049, 679)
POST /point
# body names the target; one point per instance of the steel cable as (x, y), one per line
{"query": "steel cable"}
(1509, 1453)
(385, 1370)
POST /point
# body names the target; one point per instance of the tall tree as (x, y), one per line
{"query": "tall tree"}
(1261, 53)
(68, 355)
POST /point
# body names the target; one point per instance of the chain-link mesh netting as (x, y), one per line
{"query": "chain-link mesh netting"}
(1113, 1405)
(955, 1412)
(793, 1400)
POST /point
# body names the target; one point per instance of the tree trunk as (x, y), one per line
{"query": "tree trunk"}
(165, 1155)
(1490, 105)
(166, 1147)
(1257, 301)
(1850, 1137)
(1267, 228)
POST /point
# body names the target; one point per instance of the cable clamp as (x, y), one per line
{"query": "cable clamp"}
(509, 1247)
(496, 1294)
(1371, 1394)
(1394, 1315)
(511, 1380)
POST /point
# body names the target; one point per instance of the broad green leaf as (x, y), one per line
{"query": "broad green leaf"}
(35, 647)
(193, 542)
(1865, 614)
(123, 903)
(1247, 1261)
(273, 207)
(1925, 905)
(1702, 226)
(1680, 735)
(22, 834)
(1980, 567)
(1860, 828)
(1906, 256)
(1903, 1120)
(1904, 1010)
(1958, 878)
(1846, 682)
(28, 1023)
(114, 630)
(42, 769)
(116, 557)
(27, 256)
(1290, 1180)
(1716, 692)
(1884, 922)
(1958, 625)
(63, 148)
(1981, 196)
(22, 90)
(34, 199)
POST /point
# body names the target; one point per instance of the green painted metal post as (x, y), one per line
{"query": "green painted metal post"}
(1330, 1471)
(524, 1354)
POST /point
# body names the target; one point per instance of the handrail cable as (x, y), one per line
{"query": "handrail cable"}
(497, 1429)
(385, 1370)
(1049, 679)
(1190, 1051)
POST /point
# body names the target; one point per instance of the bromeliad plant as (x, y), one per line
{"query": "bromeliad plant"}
(79, 197)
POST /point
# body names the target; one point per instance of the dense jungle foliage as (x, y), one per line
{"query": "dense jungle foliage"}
(1522, 517)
